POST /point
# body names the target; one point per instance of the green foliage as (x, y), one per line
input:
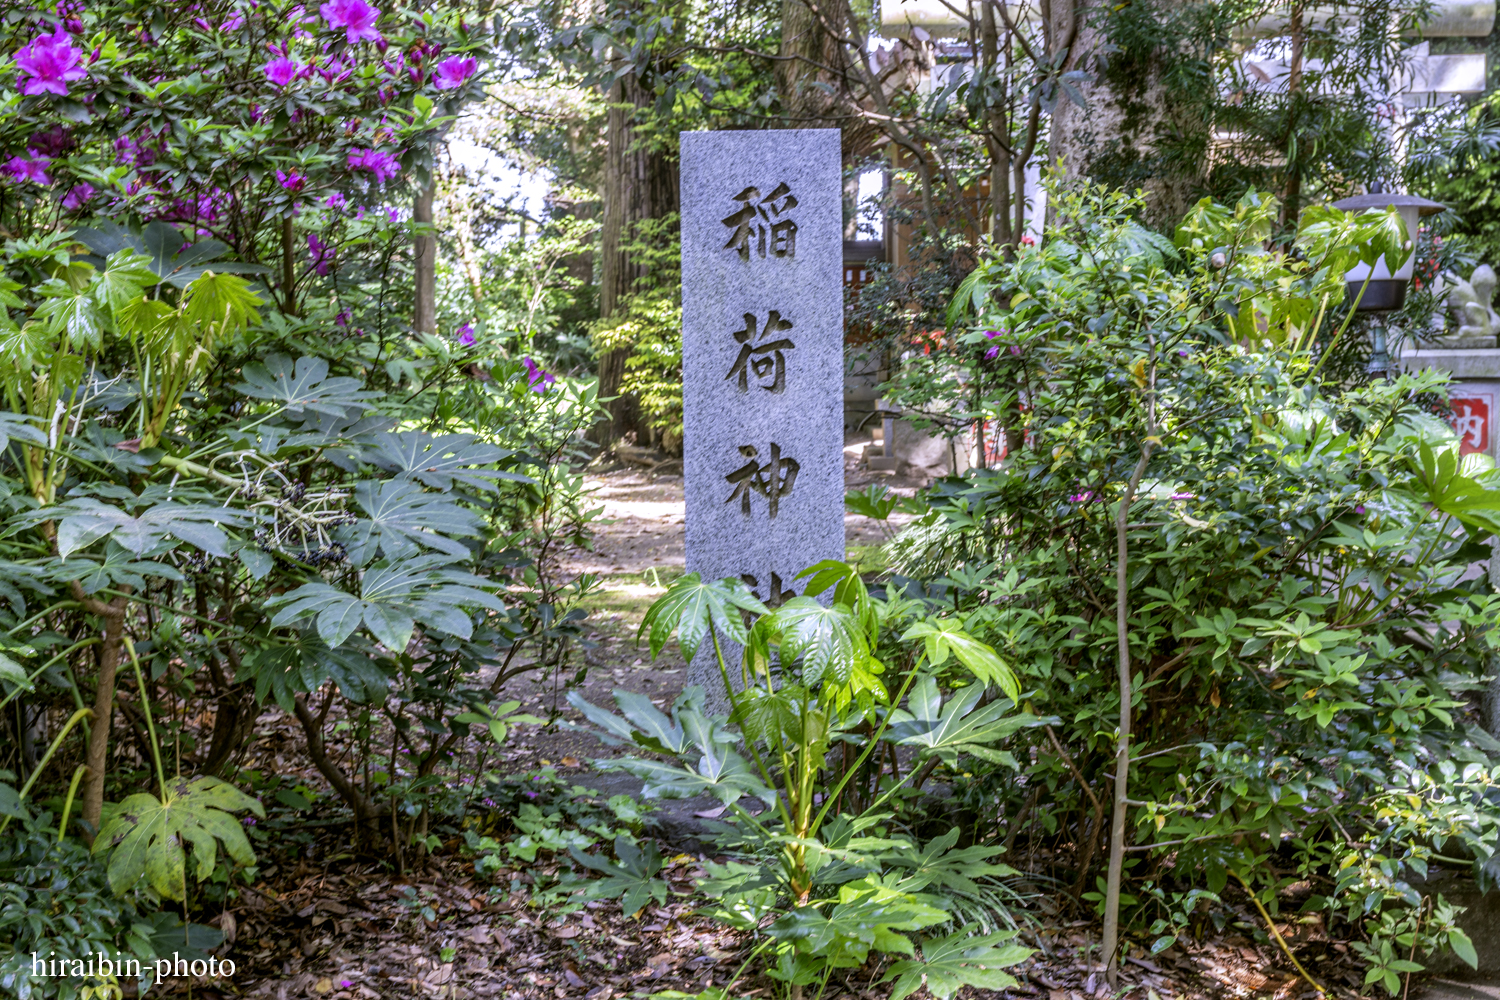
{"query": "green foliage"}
(632, 880)
(146, 835)
(55, 900)
(841, 884)
(1287, 540)
(950, 963)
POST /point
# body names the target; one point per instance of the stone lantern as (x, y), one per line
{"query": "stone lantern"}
(1386, 291)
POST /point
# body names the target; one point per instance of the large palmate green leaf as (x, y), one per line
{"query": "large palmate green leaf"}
(848, 589)
(958, 960)
(957, 727)
(703, 761)
(15, 426)
(393, 598)
(691, 607)
(1440, 481)
(84, 520)
(116, 566)
(866, 916)
(302, 662)
(402, 519)
(633, 881)
(159, 246)
(939, 864)
(943, 636)
(146, 835)
(439, 462)
(828, 641)
(304, 385)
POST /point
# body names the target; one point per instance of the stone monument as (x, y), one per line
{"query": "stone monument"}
(762, 361)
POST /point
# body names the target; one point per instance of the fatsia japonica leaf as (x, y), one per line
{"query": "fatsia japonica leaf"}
(146, 835)
(13, 426)
(1440, 481)
(13, 577)
(943, 636)
(848, 589)
(160, 247)
(633, 880)
(72, 311)
(938, 863)
(439, 462)
(303, 385)
(690, 607)
(828, 641)
(703, 763)
(117, 566)
(956, 727)
(393, 599)
(84, 520)
(866, 916)
(950, 963)
(302, 662)
(401, 519)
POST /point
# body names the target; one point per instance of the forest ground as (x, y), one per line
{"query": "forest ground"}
(324, 921)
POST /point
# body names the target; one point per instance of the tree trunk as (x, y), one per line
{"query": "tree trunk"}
(640, 182)
(1134, 130)
(288, 267)
(424, 253)
(97, 755)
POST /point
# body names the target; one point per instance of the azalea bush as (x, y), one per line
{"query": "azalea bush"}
(232, 473)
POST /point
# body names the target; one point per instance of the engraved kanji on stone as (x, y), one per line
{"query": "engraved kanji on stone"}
(764, 358)
(773, 480)
(759, 223)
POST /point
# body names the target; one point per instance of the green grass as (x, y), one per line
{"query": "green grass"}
(630, 594)
(867, 558)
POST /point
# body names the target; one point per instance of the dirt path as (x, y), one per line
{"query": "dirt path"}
(637, 551)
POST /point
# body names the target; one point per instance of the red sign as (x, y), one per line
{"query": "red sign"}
(1471, 419)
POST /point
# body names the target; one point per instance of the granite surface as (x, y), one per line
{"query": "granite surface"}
(762, 358)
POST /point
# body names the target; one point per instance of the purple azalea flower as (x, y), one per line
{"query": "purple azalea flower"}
(991, 334)
(336, 200)
(34, 170)
(203, 23)
(356, 17)
(536, 377)
(453, 72)
(322, 254)
(281, 71)
(293, 181)
(395, 215)
(344, 984)
(234, 22)
(466, 335)
(53, 142)
(383, 165)
(50, 63)
(1015, 349)
(992, 353)
(343, 318)
(78, 196)
(1083, 497)
(1184, 496)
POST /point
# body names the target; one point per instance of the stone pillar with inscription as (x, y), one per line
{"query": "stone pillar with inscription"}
(762, 361)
